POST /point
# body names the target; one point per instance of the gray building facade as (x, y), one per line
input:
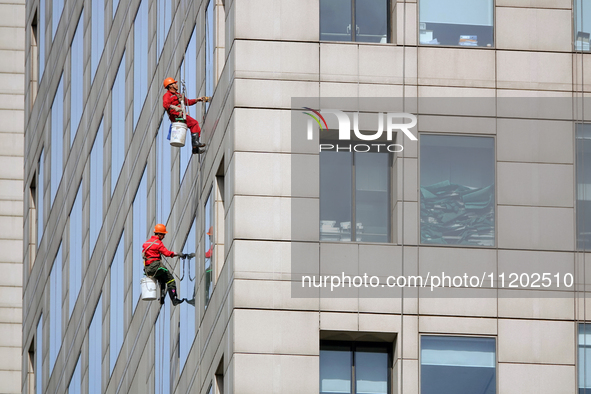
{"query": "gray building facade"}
(493, 186)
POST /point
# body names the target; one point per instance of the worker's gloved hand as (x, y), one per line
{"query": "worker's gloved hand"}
(181, 255)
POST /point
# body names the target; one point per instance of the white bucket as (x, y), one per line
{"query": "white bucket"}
(149, 288)
(178, 134)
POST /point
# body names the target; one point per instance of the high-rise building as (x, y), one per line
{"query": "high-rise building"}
(489, 183)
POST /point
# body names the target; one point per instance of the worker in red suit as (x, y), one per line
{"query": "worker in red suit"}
(153, 250)
(172, 104)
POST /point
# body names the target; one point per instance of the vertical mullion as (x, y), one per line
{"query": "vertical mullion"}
(353, 22)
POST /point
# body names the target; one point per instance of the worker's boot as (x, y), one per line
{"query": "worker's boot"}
(162, 294)
(196, 143)
(173, 297)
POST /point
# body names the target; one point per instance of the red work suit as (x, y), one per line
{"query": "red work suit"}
(174, 99)
(153, 248)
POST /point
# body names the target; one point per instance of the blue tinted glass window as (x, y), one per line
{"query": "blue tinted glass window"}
(75, 249)
(140, 234)
(451, 365)
(76, 381)
(140, 60)
(58, 6)
(116, 328)
(164, 169)
(55, 309)
(98, 35)
(118, 101)
(456, 22)
(209, 51)
(582, 25)
(584, 358)
(77, 78)
(162, 351)
(95, 343)
(40, 197)
(457, 190)
(187, 290)
(370, 18)
(39, 357)
(96, 188)
(164, 18)
(41, 42)
(583, 171)
(189, 76)
(57, 139)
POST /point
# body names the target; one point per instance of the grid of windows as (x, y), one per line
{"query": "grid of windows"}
(55, 309)
(370, 18)
(96, 189)
(355, 367)
(457, 190)
(140, 60)
(456, 22)
(116, 326)
(75, 249)
(97, 34)
(95, 343)
(451, 365)
(187, 310)
(118, 101)
(140, 224)
(77, 78)
(57, 138)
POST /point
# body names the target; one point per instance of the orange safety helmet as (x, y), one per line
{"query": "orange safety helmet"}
(168, 81)
(160, 229)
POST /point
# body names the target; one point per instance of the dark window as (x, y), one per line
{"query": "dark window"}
(355, 188)
(355, 367)
(583, 171)
(370, 18)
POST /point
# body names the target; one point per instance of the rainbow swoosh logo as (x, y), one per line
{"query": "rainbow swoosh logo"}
(315, 118)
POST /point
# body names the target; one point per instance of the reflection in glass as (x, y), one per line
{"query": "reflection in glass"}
(335, 369)
(140, 60)
(582, 25)
(457, 190)
(75, 249)
(98, 35)
(77, 78)
(584, 364)
(372, 210)
(335, 20)
(140, 234)
(96, 189)
(116, 326)
(118, 124)
(371, 370)
(209, 247)
(57, 138)
(456, 22)
(55, 309)
(187, 290)
(95, 343)
(451, 365)
(583, 171)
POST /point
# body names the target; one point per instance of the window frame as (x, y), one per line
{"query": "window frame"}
(439, 335)
(353, 345)
(389, 34)
(390, 198)
(496, 213)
